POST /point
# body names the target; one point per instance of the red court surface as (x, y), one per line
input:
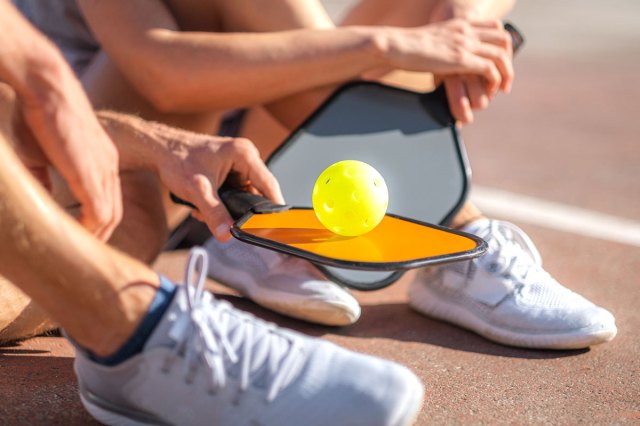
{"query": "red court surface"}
(567, 134)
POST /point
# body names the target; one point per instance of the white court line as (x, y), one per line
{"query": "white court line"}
(556, 216)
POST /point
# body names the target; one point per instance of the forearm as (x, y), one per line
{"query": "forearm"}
(232, 70)
(140, 143)
(184, 71)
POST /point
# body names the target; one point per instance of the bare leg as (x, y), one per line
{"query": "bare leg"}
(413, 13)
(65, 269)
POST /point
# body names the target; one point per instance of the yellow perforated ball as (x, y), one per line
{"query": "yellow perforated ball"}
(350, 198)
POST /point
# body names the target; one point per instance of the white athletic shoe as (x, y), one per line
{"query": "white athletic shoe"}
(507, 296)
(207, 363)
(284, 284)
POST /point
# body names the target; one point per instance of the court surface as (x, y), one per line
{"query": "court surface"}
(560, 157)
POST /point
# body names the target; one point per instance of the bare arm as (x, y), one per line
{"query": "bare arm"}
(191, 71)
(59, 116)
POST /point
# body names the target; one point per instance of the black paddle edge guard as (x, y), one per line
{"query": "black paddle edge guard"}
(481, 247)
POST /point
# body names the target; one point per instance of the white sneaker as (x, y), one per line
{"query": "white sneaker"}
(285, 284)
(207, 363)
(507, 296)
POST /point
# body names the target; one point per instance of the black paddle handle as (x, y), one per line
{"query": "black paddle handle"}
(239, 202)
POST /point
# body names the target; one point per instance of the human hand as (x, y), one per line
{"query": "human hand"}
(479, 49)
(466, 92)
(58, 115)
(194, 166)
(68, 133)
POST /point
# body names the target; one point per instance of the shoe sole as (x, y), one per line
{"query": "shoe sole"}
(331, 314)
(431, 304)
(112, 415)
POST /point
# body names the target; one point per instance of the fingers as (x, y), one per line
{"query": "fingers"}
(101, 215)
(476, 91)
(117, 209)
(211, 210)
(241, 158)
(502, 62)
(459, 103)
(496, 45)
(465, 94)
(215, 160)
(96, 218)
(484, 49)
(249, 165)
(487, 69)
(498, 37)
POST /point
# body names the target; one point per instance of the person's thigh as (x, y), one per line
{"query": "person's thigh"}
(249, 15)
(415, 13)
(400, 13)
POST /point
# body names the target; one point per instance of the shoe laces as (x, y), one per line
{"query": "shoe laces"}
(214, 335)
(511, 253)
